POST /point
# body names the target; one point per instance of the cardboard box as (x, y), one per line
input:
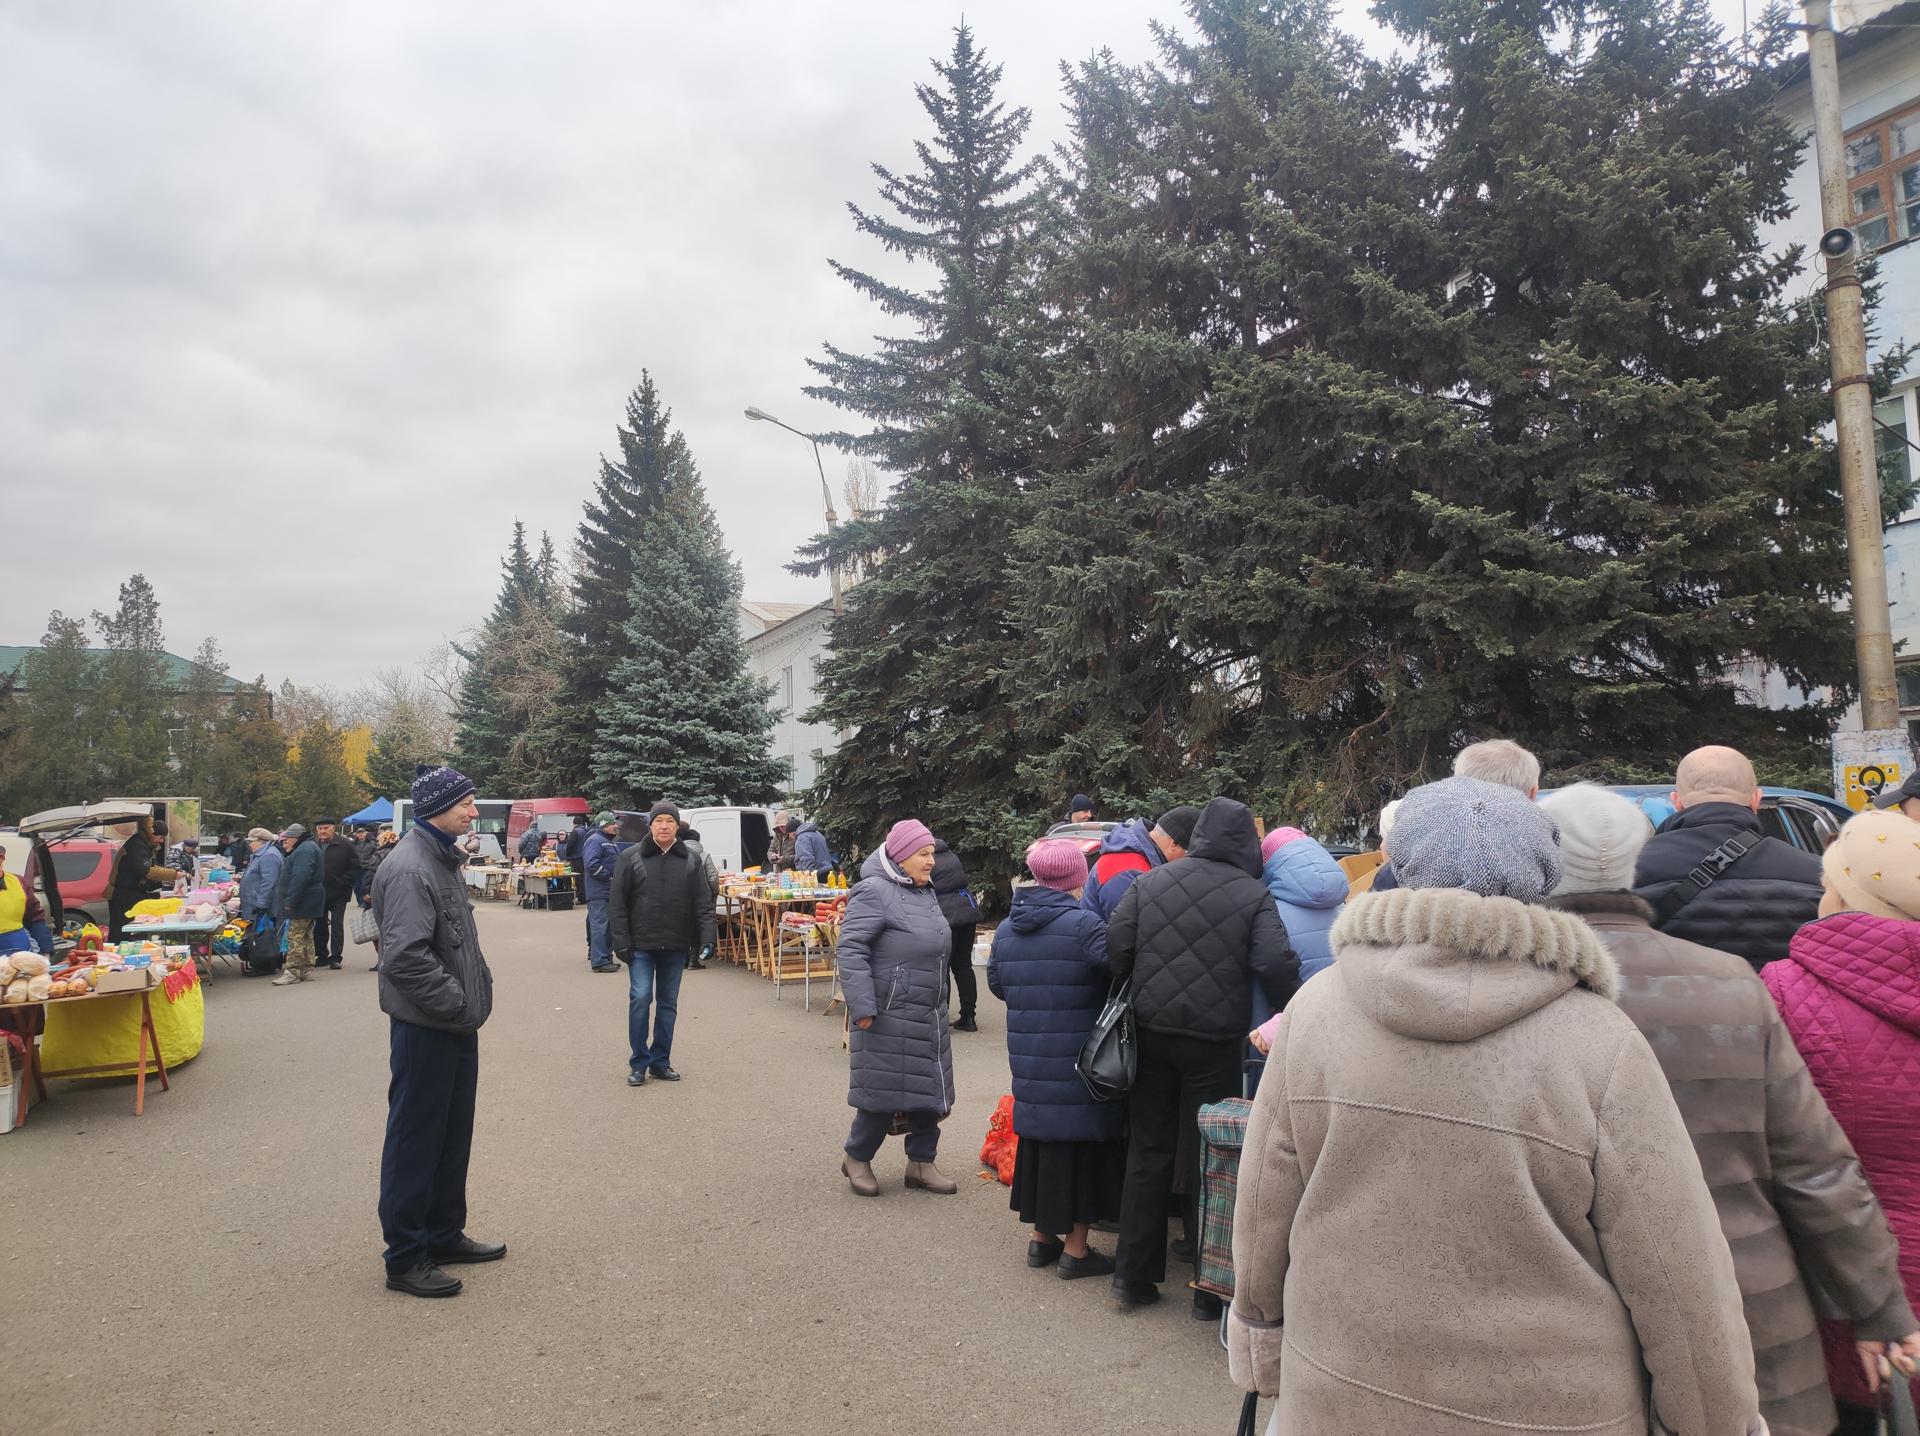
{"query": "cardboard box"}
(125, 979)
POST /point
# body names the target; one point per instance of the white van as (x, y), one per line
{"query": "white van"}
(735, 838)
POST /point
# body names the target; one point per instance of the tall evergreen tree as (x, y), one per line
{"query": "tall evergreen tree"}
(59, 714)
(200, 702)
(925, 659)
(484, 733)
(686, 720)
(653, 456)
(246, 762)
(136, 694)
(316, 784)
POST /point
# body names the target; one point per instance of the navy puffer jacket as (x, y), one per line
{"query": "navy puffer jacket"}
(1049, 966)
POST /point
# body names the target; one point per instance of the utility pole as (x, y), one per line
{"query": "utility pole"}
(1852, 393)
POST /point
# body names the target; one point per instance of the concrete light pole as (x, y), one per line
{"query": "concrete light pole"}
(826, 494)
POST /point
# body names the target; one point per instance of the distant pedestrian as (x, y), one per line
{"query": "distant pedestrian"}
(1133, 848)
(300, 901)
(1712, 877)
(1194, 938)
(1850, 994)
(1467, 1202)
(1080, 809)
(691, 837)
(598, 856)
(660, 913)
(382, 850)
(953, 889)
(780, 849)
(1309, 891)
(530, 843)
(892, 956)
(183, 855)
(1049, 965)
(261, 877)
(810, 852)
(340, 870)
(437, 992)
(573, 853)
(1794, 1204)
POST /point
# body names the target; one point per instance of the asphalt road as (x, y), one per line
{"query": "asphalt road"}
(682, 1258)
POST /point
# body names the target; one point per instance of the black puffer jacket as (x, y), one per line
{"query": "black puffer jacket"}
(1754, 908)
(951, 886)
(1195, 934)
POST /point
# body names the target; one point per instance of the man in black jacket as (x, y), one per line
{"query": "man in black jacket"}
(952, 889)
(340, 871)
(1710, 875)
(660, 912)
(1193, 936)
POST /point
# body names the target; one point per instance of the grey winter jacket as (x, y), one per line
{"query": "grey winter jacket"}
(432, 972)
(893, 968)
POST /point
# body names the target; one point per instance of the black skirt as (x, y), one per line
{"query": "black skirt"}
(1060, 1185)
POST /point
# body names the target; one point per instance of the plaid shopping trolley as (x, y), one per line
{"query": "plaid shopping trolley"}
(1223, 1131)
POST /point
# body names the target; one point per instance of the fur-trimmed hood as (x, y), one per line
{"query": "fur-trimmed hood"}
(1446, 965)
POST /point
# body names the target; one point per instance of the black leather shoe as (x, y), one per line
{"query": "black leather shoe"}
(1206, 1306)
(666, 1074)
(468, 1251)
(424, 1279)
(1135, 1294)
(1041, 1253)
(605, 967)
(636, 1079)
(1094, 1263)
(966, 1024)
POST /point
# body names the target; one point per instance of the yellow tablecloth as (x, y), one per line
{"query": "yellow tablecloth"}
(98, 1031)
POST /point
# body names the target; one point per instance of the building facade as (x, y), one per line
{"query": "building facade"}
(785, 644)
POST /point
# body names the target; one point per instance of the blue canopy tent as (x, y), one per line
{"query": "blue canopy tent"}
(378, 811)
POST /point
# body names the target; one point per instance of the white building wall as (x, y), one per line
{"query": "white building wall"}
(788, 656)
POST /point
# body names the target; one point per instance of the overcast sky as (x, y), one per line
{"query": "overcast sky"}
(302, 304)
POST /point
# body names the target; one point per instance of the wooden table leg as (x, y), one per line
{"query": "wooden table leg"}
(159, 1060)
(140, 1079)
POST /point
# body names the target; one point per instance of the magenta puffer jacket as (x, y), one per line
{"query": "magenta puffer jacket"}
(1849, 991)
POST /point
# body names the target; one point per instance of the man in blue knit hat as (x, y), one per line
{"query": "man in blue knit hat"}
(437, 990)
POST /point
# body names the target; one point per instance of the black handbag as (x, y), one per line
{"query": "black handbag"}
(1249, 1414)
(260, 949)
(1108, 1058)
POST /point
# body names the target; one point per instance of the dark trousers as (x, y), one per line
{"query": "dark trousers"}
(960, 964)
(870, 1130)
(1174, 1077)
(330, 930)
(423, 1168)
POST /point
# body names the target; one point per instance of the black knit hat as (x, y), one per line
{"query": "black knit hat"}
(664, 809)
(1179, 823)
(437, 789)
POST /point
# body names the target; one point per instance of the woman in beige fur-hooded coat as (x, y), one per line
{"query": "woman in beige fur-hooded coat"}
(1467, 1203)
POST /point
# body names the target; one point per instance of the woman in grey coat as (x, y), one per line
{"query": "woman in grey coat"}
(893, 971)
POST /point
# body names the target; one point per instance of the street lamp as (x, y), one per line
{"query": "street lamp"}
(826, 494)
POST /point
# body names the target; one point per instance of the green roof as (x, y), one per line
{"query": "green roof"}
(179, 670)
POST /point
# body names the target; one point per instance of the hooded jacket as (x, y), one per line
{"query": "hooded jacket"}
(260, 883)
(1850, 995)
(301, 891)
(1754, 907)
(597, 858)
(810, 852)
(1049, 965)
(1195, 935)
(1801, 1221)
(1467, 1202)
(952, 887)
(892, 958)
(1309, 889)
(1125, 852)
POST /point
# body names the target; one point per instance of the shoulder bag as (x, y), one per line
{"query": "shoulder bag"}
(1108, 1058)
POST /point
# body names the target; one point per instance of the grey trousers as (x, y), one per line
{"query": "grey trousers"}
(870, 1130)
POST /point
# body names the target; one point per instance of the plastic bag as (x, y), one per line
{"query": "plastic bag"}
(1003, 1143)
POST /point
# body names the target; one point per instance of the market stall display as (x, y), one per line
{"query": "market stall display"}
(547, 883)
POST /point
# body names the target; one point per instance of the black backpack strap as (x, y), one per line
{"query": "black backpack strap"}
(1701, 877)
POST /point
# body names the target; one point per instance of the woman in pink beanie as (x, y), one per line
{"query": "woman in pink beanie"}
(1049, 965)
(892, 957)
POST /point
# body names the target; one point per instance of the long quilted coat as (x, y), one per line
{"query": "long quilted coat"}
(893, 968)
(1850, 993)
(1049, 966)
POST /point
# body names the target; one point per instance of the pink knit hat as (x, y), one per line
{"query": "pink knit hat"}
(1058, 863)
(907, 837)
(1276, 840)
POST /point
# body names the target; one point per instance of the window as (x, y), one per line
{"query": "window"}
(1883, 179)
(1890, 449)
(786, 687)
(74, 867)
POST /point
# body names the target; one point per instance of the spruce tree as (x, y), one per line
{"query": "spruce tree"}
(685, 719)
(316, 784)
(926, 658)
(60, 715)
(483, 730)
(136, 700)
(652, 458)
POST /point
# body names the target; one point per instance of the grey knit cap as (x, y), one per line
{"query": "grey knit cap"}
(1601, 834)
(1483, 837)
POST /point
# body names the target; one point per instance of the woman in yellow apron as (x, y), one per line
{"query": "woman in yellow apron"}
(23, 923)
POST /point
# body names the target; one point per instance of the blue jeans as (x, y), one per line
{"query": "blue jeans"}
(597, 951)
(648, 975)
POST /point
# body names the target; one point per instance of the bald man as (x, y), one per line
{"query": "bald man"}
(1712, 877)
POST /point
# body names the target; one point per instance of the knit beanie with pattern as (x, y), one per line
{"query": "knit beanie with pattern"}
(1481, 837)
(1875, 864)
(437, 789)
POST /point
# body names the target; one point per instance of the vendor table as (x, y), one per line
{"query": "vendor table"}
(196, 936)
(148, 1040)
(489, 882)
(554, 893)
(761, 913)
